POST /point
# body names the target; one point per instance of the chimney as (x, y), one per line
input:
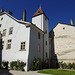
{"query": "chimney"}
(2, 10)
(24, 15)
(71, 21)
(9, 12)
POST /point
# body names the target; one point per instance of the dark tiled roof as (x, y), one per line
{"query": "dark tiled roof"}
(38, 12)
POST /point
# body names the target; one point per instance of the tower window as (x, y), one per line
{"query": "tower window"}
(38, 35)
(46, 55)
(63, 28)
(46, 43)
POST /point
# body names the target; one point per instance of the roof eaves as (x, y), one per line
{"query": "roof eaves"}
(19, 21)
(36, 27)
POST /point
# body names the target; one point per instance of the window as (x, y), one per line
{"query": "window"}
(46, 55)
(63, 28)
(38, 35)
(2, 45)
(46, 31)
(38, 11)
(9, 44)
(1, 18)
(23, 45)
(39, 47)
(0, 25)
(11, 30)
(46, 43)
(4, 32)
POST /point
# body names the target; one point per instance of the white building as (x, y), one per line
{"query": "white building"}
(63, 43)
(23, 40)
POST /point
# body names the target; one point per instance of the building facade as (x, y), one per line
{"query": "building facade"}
(62, 41)
(23, 40)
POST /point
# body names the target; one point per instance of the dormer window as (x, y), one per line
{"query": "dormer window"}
(38, 11)
(38, 35)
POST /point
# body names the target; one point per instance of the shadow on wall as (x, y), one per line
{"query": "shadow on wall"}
(53, 57)
(1, 47)
(5, 72)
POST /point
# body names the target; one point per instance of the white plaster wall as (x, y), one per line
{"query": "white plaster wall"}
(34, 41)
(42, 23)
(46, 37)
(38, 21)
(20, 33)
(64, 42)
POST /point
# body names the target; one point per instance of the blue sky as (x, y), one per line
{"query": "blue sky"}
(56, 10)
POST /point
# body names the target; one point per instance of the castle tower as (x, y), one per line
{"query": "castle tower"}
(41, 21)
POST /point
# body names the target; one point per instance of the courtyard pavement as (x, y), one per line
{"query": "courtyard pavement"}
(12, 72)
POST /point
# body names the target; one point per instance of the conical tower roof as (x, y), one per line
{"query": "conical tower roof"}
(39, 12)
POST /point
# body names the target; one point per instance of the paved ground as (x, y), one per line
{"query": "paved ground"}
(11, 72)
(25, 73)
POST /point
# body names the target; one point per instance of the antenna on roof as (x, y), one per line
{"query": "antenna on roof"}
(40, 5)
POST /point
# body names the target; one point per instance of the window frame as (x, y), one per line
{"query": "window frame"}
(3, 32)
(7, 44)
(9, 31)
(25, 46)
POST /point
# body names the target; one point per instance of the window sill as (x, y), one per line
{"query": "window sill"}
(8, 48)
(22, 50)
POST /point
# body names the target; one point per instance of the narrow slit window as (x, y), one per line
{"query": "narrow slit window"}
(38, 35)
